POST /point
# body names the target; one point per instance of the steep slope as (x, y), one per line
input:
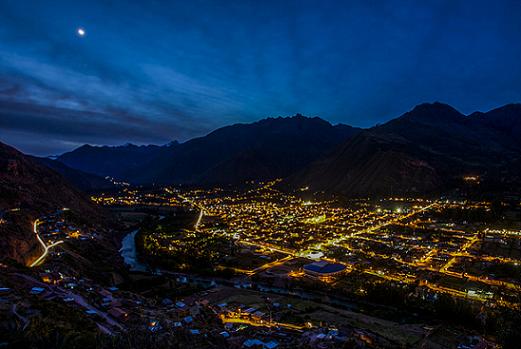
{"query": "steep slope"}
(427, 149)
(31, 189)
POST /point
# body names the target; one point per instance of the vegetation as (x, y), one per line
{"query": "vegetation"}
(168, 243)
(57, 326)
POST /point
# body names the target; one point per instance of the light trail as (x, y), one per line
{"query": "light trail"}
(370, 233)
(201, 211)
(371, 229)
(46, 248)
(239, 319)
(262, 267)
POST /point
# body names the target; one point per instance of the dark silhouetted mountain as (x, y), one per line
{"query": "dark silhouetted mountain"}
(114, 161)
(270, 148)
(506, 120)
(84, 181)
(427, 149)
(26, 184)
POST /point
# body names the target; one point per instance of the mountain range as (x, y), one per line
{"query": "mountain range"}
(429, 149)
(270, 148)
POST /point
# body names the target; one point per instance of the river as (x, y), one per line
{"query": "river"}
(129, 252)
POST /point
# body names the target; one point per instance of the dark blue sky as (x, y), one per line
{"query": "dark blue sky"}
(154, 71)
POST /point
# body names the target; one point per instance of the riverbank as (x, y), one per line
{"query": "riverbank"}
(128, 252)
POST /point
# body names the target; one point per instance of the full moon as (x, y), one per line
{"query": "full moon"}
(81, 32)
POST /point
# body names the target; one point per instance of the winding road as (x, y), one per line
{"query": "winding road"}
(46, 248)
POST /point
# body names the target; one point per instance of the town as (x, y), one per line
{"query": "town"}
(263, 267)
(281, 268)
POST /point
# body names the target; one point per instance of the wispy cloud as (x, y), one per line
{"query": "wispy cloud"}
(163, 70)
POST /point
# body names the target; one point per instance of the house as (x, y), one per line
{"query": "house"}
(37, 290)
(71, 285)
(167, 302)
(258, 313)
(250, 310)
(249, 343)
(154, 326)
(253, 342)
(118, 313)
(50, 278)
(271, 344)
(105, 294)
(224, 334)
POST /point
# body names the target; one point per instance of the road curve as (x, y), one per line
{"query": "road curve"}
(46, 248)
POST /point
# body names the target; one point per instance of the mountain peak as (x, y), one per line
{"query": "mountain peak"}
(428, 149)
(508, 109)
(290, 121)
(434, 107)
(505, 119)
(432, 112)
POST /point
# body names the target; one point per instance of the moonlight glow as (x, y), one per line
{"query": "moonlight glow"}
(81, 32)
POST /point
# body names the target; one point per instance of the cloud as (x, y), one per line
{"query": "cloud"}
(174, 70)
(39, 97)
(73, 126)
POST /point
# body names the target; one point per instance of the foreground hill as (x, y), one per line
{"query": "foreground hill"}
(270, 148)
(430, 148)
(29, 189)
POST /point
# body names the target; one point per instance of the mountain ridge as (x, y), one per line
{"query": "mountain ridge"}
(291, 142)
(424, 150)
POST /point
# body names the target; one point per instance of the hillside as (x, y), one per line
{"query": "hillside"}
(428, 149)
(29, 189)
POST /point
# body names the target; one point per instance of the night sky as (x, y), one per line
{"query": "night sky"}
(157, 71)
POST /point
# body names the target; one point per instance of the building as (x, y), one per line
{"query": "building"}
(118, 313)
(323, 269)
